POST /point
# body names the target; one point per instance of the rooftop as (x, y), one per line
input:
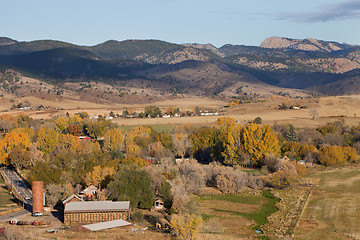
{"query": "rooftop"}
(71, 197)
(106, 225)
(97, 206)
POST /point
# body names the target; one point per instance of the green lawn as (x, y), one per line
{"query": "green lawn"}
(235, 198)
(267, 201)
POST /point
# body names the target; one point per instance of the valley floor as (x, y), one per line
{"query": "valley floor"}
(327, 108)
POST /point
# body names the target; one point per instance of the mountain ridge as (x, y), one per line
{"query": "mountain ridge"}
(177, 66)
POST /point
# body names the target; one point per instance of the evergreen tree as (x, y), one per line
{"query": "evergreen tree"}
(165, 193)
(290, 134)
(134, 185)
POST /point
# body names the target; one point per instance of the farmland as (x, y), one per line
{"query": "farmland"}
(333, 208)
(328, 108)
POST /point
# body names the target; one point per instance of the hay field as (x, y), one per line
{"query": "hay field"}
(328, 108)
(333, 208)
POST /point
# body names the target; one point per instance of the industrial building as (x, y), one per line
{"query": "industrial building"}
(96, 211)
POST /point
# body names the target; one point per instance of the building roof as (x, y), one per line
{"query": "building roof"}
(96, 206)
(71, 197)
(106, 225)
(89, 190)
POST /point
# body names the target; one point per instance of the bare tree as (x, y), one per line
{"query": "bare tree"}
(182, 144)
(54, 193)
(5, 126)
(192, 175)
(230, 180)
(179, 197)
(313, 113)
(333, 139)
(103, 194)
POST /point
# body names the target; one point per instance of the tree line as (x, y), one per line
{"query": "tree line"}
(52, 151)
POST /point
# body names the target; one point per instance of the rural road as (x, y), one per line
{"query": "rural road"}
(19, 186)
(10, 216)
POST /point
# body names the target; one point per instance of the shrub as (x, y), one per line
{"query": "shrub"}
(257, 120)
(185, 226)
(137, 217)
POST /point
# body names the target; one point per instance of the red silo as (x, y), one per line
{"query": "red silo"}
(38, 196)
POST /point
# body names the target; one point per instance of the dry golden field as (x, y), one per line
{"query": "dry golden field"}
(328, 108)
(332, 211)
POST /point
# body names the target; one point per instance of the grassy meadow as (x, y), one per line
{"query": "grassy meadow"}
(333, 208)
(239, 215)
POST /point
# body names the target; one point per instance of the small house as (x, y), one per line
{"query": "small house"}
(159, 204)
(89, 193)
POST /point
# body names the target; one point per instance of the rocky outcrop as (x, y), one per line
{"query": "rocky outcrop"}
(208, 46)
(308, 44)
(6, 41)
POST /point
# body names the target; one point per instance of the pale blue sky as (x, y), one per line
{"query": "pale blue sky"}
(89, 22)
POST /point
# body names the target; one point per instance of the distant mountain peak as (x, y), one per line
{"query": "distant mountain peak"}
(308, 44)
(6, 41)
(207, 46)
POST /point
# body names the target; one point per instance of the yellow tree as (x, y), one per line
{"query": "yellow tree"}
(169, 111)
(47, 140)
(75, 119)
(185, 226)
(113, 139)
(136, 161)
(133, 150)
(350, 154)
(69, 142)
(259, 141)
(62, 123)
(19, 139)
(98, 174)
(332, 155)
(138, 135)
(94, 177)
(230, 138)
(225, 124)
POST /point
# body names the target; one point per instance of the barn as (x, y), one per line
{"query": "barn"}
(96, 211)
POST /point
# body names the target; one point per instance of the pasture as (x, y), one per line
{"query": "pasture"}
(239, 215)
(332, 211)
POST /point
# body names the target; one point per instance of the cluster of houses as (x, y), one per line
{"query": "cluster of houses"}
(202, 113)
(301, 161)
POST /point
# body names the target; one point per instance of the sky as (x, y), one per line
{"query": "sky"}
(219, 22)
